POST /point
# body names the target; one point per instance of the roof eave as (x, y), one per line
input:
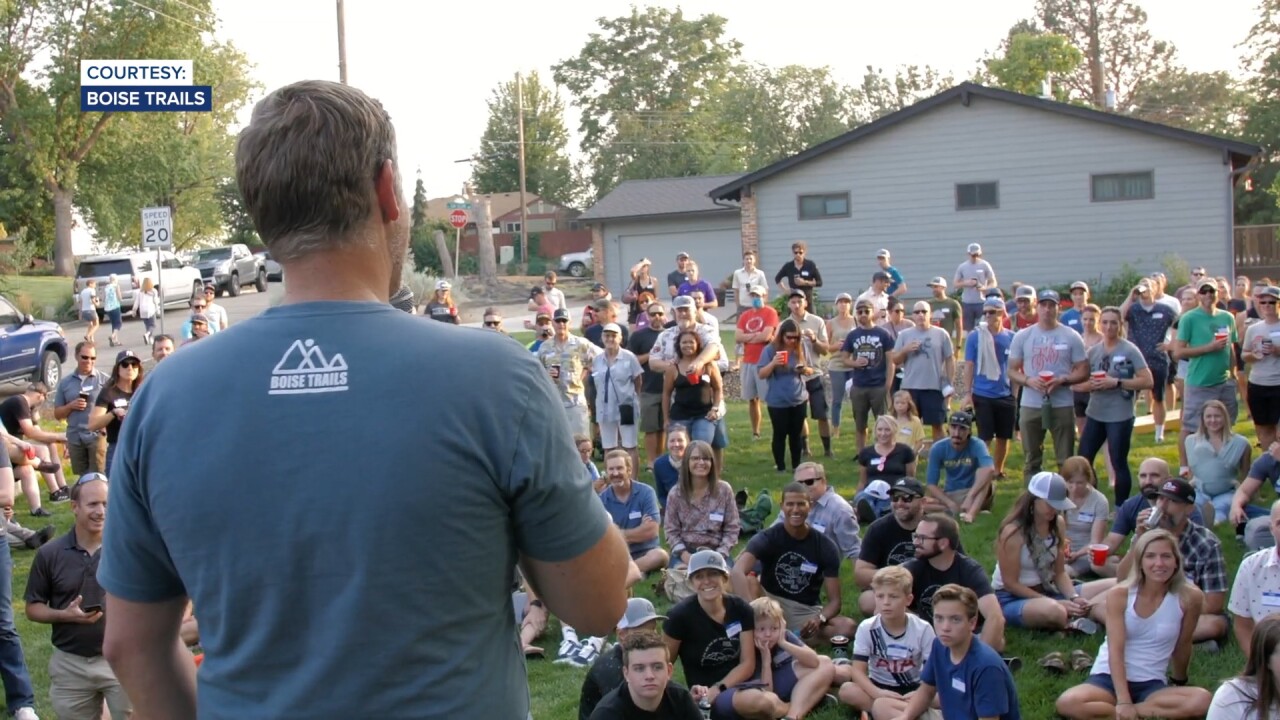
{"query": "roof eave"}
(647, 216)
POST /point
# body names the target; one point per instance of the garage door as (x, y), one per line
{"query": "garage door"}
(718, 252)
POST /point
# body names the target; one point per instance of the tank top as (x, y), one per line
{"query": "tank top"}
(1027, 574)
(1148, 642)
(689, 401)
(836, 362)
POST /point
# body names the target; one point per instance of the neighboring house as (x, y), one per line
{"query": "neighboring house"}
(1053, 192)
(659, 218)
(499, 204)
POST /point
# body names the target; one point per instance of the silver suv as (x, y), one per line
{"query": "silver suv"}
(176, 281)
(231, 267)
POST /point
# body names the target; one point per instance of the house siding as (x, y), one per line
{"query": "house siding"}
(1046, 229)
(712, 239)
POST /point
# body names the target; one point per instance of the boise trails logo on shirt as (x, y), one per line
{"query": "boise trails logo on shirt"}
(304, 369)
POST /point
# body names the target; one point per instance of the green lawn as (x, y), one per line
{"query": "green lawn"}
(35, 293)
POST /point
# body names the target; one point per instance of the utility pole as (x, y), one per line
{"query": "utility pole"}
(524, 210)
(342, 46)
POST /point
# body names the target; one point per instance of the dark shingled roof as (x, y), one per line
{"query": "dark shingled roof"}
(659, 196)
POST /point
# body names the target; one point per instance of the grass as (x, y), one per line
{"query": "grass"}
(34, 294)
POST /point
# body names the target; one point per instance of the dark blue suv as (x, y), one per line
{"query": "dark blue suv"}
(30, 349)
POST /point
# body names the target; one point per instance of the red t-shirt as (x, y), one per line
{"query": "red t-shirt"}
(754, 321)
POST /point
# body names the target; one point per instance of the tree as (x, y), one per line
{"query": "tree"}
(644, 86)
(880, 94)
(41, 45)
(419, 212)
(235, 218)
(1029, 59)
(548, 170)
(1262, 117)
(1203, 102)
(1119, 52)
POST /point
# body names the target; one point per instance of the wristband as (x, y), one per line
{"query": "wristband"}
(536, 603)
(1178, 683)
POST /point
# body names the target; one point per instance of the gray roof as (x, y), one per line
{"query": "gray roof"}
(1237, 153)
(659, 196)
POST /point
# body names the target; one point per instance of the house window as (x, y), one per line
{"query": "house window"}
(977, 196)
(512, 227)
(821, 207)
(1123, 186)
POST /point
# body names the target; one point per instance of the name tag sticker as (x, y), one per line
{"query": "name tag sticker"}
(1085, 517)
(732, 629)
(804, 273)
(1271, 599)
(1061, 346)
(1158, 316)
(717, 517)
(636, 515)
(819, 527)
(957, 684)
(905, 431)
(808, 568)
(1117, 358)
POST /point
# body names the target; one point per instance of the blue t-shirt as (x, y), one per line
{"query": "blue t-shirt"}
(1127, 514)
(871, 344)
(979, 687)
(640, 504)
(895, 279)
(786, 388)
(982, 385)
(1266, 469)
(961, 466)
(292, 566)
(666, 474)
(1071, 318)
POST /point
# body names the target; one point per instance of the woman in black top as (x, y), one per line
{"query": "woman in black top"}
(886, 459)
(691, 393)
(641, 282)
(113, 402)
(441, 306)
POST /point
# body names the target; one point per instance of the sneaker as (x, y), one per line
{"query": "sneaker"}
(866, 512)
(1013, 663)
(1209, 646)
(1084, 626)
(41, 512)
(46, 533)
(586, 655)
(60, 495)
(26, 713)
(568, 649)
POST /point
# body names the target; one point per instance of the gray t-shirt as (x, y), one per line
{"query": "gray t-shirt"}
(980, 271)
(923, 368)
(1080, 520)
(355, 528)
(1123, 361)
(1265, 371)
(1042, 350)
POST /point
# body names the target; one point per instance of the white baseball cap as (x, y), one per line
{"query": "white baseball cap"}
(878, 489)
(882, 253)
(975, 249)
(1050, 487)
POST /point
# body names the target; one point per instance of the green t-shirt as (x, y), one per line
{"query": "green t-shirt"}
(1196, 328)
(946, 312)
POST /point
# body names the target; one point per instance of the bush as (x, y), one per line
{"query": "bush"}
(819, 308)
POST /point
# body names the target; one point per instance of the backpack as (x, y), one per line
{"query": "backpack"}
(754, 518)
(674, 584)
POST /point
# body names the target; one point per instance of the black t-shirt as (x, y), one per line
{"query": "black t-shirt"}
(887, 543)
(442, 312)
(603, 678)
(675, 279)
(677, 704)
(926, 579)
(111, 398)
(807, 271)
(13, 411)
(641, 343)
(889, 467)
(709, 650)
(795, 569)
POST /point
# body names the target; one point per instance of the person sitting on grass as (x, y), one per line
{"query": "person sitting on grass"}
(829, 514)
(649, 690)
(1134, 512)
(939, 561)
(585, 448)
(666, 468)
(890, 539)
(1254, 694)
(20, 417)
(786, 666)
(1128, 679)
(968, 467)
(968, 677)
(1256, 590)
(607, 674)
(887, 459)
(1087, 521)
(1257, 522)
(701, 511)
(634, 508)
(889, 650)
(1218, 458)
(1030, 579)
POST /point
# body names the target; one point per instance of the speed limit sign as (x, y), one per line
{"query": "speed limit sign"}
(157, 228)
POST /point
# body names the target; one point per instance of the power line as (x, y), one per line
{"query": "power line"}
(170, 17)
(195, 9)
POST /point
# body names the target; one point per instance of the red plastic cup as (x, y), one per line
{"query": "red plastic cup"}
(693, 378)
(1099, 374)
(30, 452)
(1045, 375)
(785, 356)
(1221, 333)
(1098, 553)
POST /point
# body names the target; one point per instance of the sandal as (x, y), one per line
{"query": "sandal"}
(1053, 663)
(1080, 660)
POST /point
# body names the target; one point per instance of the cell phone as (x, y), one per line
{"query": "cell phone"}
(90, 609)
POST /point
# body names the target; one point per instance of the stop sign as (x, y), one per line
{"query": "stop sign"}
(458, 218)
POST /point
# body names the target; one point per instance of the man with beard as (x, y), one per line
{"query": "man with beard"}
(889, 540)
(937, 563)
(1135, 511)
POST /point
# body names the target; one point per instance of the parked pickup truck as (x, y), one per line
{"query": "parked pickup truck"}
(230, 268)
(30, 349)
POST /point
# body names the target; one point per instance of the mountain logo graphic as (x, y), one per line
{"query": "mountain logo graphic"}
(305, 369)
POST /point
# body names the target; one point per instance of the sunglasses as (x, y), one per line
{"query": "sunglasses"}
(561, 320)
(491, 323)
(1209, 291)
(657, 314)
(198, 307)
(791, 338)
(990, 312)
(90, 477)
(809, 481)
(863, 311)
(1266, 302)
(919, 312)
(901, 498)
(88, 357)
(131, 364)
(797, 252)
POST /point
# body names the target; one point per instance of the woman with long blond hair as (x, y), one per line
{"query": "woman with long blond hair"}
(1219, 458)
(1141, 668)
(146, 305)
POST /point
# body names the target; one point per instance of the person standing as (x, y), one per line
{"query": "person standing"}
(986, 354)
(568, 360)
(799, 274)
(218, 318)
(928, 361)
(73, 401)
(947, 311)
(678, 277)
(111, 307)
(652, 414)
(642, 282)
(1079, 299)
(1047, 359)
(897, 286)
(756, 327)
(974, 276)
(866, 351)
(320, 144)
(18, 692)
(146, 305)
(87, 303)
(1149, 322)
(814, 343)
(1205, 336)
(745, 278)
(1262, 351)
(782, 367)
(878, 293)
(839, 374)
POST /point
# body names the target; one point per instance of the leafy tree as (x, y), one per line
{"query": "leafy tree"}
(644, 85)
(419, 211)
(548, 170)
(235, 218)
(1204, 102)
(1029, 59)
(1262, 117)
(879, 94)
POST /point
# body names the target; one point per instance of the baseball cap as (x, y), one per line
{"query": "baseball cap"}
(757, 290)
(960, 417)
(882, 276)
(125, 355)
(1050, 487)
(541, 315)
(1178, 490)
(707, 560)
(599, 286)
(844, 296)
(1049, 296)
(560, 314)
(1270, 291)
(1207, 284)
(443, 285)
(798, 293)
(611, 327)
(994, 303)
(909, 485)
(882, 253)
(683, 301)
(537, 290)
(938, 282)
(864, 303)
(682, 255)
(975, 249)
(878, 489)
(1025, 291)
(200, 318)
(1080, 285)
(994, 293)
(639, 612)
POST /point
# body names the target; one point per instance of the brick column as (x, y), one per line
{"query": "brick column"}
(597, 252)
(750, 231)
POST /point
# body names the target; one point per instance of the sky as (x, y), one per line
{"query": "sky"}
(434, 65)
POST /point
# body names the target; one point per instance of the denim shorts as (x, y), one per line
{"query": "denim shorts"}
(1012, 605)
(1138, 691)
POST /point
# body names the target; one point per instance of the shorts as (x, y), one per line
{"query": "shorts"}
(1012, 605)
(996, 417)
(1160, 378)
(589, 393)
(818, 408)
(722, 708)
(753, 386)
(972, 314)
(651, 412)
(614, 435)
(784, 680)
(932, 406)
(88, 458)
(797, 614)
(720, 440)
(89, 316)
(1264, 404)
(1138, 691)
(1194, 397)
(866, 401)
(1079, 403)
(579, 419)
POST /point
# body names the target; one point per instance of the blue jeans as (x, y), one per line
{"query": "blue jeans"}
(111, 453)
(1221, 504)
(13, 667)
(699, 429)
(1118, 436)
(839, 378)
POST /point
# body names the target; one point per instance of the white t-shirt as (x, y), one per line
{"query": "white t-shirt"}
(893, 661)
(86, 300)
(217, 316)
(879, 301)
(743, 280)
(1256, 591)
(555, 297)
(1234, 701)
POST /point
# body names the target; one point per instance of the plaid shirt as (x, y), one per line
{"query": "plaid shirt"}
(1202, 558)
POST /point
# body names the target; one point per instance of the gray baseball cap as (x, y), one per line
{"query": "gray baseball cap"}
(639, 612)
(707, 560)
(1050, 487)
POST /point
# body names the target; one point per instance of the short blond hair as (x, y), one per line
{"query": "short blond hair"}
(767, 607)
(894, 577)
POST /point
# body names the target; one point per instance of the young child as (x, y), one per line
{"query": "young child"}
(911, 430)
(785, 665)
(585, 448)
(965, 674)
(889, 651)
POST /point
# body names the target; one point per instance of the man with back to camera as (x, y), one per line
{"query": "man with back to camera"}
(511, 490)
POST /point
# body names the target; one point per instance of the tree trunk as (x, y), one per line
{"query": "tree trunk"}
(1097, 73)
(64, 257)
(442, 247)
(484, 247)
